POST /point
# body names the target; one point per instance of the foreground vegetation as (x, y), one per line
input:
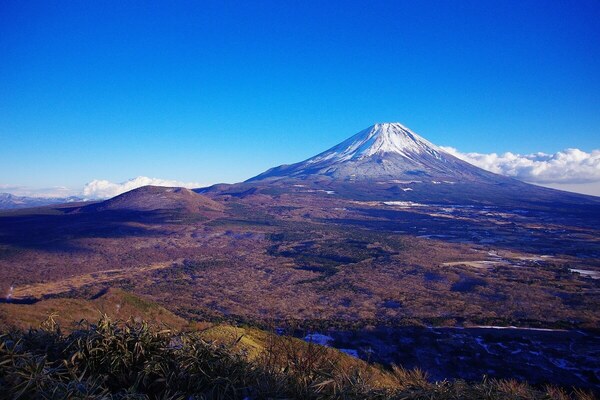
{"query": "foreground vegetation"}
(111, 360)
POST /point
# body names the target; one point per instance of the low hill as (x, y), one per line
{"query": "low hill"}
(115, 303)
(154, 198)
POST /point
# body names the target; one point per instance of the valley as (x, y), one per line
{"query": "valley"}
(311, 259)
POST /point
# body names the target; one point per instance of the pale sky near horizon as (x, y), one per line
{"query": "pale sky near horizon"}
(219, 91)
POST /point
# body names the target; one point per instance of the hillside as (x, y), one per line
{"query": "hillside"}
(155, 198)
(114, 303)
(113, 360)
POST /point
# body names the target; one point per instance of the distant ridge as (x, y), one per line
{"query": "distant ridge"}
(10, 201)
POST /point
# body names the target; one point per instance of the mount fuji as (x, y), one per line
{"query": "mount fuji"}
(388, 161)
(387, 151)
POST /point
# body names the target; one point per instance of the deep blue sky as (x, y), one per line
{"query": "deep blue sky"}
(219, 91)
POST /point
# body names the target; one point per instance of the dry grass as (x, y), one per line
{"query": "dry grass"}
(68, 284)
(108, 360)
(115, 303)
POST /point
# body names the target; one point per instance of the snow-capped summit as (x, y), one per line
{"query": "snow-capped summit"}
(377, 140)
(384, 151)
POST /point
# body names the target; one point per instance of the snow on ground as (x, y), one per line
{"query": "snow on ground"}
(403, 204)
(326, 340)
(518, 328)
(318, 338)
(586, 272)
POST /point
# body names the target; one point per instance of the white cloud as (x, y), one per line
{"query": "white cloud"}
(570, 169)
(103, 189)
(96, 189)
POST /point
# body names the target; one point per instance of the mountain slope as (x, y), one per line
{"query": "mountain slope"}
(115, 303)
(388, 151)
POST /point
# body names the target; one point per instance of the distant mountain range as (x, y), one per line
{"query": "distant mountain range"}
(9, 201)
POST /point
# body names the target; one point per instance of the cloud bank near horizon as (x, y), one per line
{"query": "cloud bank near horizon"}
(569, 169)
(96, 189)
(103, 189)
